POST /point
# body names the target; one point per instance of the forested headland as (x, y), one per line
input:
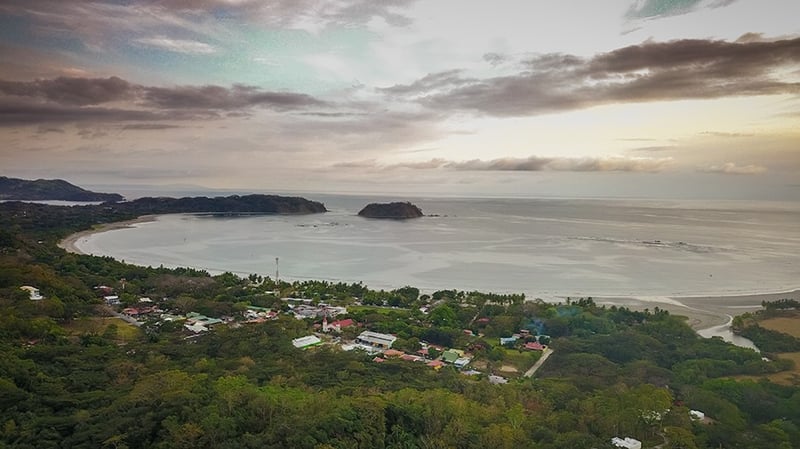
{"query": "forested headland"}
(73, 375)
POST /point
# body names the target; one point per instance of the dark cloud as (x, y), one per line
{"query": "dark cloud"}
(218, 97)
(532, 163)
(77, 99)
(15, 112)
(681, 69)
(71, 91)
(148, 127)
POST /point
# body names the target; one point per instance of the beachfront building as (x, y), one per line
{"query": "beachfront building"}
(306, 342)
(33, 292)
(376, 340)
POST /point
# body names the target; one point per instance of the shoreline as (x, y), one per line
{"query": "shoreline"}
(69, 243)
(702, 311)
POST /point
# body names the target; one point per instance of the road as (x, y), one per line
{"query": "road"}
(545, 354)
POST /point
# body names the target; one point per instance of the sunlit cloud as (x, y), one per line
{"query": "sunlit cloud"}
(730, 168)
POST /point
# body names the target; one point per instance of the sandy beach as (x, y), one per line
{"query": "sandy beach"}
(69, 244)
(702, 312)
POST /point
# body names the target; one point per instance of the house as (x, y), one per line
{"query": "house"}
(626, 443)
(534, 346)
(393, 353)
(306, 342)
(196, 327)
(111, 300)
(376, 340)
(336, 326)
(461, 362)
(104, 290)
(450, 356)
(194, 317)
(696, 415)
(508, 340)
(497, 380)
(412, 358)
(435, 364)
(33, 292)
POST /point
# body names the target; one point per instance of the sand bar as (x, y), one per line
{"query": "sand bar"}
(70, 243)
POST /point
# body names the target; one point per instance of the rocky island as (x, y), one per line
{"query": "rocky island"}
(396, 211)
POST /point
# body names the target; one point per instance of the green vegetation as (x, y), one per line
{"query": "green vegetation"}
(49, 189)
(769, 341)
(71, 378)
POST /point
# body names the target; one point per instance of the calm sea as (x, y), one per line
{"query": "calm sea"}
(541, 247)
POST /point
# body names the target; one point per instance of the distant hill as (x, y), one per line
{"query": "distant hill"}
(396, 210)
(234, 204)
(49, 189)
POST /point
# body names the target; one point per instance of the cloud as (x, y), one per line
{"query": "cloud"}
(26, 113)
(148, 127)
(727, 135)
(78, 99)
(652, 149)
(730, 168)
(495, 59)
(651, 9)
(218, 97)
(177, 45)
(651, 71)
(428, 83)
(71, 91)
(529, 164)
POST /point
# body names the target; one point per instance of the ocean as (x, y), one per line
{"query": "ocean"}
(544, 248)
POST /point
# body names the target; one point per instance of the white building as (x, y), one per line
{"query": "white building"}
(305, 342)
(696, 414)
(375, 339)
(626, 443)
(33, 292)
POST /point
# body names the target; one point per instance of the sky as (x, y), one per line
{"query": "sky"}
(619, 98)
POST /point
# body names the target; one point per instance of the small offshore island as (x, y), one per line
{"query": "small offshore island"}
(393, 211)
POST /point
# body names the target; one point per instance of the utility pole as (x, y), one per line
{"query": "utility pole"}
(277, 271)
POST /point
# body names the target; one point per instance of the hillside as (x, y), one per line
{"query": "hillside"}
(49, 189)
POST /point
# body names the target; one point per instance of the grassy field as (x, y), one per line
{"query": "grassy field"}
(379, 309)
(520, 360)
(100, 325)
(791, 377)
(788, 324)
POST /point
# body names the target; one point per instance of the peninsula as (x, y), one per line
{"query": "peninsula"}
(49, 189)
(395, 210)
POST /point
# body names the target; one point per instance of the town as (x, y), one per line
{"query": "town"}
(502, 355)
